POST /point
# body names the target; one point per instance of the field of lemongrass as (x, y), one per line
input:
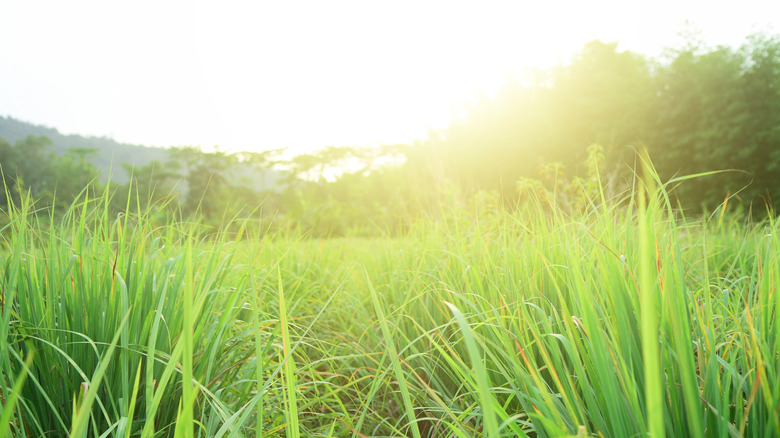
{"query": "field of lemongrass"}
(622, 320)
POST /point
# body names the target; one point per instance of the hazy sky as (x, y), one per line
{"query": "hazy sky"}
(267, 74)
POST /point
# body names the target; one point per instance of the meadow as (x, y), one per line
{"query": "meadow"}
(624, 318)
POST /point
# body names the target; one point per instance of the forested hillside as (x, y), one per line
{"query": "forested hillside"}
(54, 168)
(108, 154)
(696, 109)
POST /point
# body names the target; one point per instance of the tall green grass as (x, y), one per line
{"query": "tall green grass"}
(622, 319)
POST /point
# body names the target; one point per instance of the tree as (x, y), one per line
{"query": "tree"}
(603, 96)
(73, 173)
(7, 168)
(35, 165)
(761, 89)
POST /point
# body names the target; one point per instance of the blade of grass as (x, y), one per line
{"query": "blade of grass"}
(131, 408)
(392, 351)
(13, 397)
(654, 386)
(79, 426)
(184, 422)
(486, 400)
(289, 365)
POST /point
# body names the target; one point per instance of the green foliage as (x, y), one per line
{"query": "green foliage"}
(109, 154)
(696, 110)
(90, 284)
(699, 110)
(520, 281)
(615, 318)
(30, 166)
(555, 189)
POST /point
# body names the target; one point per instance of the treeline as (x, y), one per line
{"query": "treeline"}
(31, 168)
(565, 132)
(695, 110)
(190, 183)
(107, 154)
(336, 191)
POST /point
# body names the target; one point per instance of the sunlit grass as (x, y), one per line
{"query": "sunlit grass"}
(620, 320)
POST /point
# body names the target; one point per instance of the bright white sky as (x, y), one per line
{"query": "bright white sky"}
(266, 74)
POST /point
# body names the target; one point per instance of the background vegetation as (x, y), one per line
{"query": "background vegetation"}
(696, 109)
(527, 272)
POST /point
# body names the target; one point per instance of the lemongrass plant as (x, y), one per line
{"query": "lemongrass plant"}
(134, 328)
(622, 318)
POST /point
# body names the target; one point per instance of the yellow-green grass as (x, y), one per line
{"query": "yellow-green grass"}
(623, 320)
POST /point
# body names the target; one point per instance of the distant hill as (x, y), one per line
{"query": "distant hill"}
(110, 154)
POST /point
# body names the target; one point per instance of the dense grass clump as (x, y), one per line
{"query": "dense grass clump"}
(621, 320)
